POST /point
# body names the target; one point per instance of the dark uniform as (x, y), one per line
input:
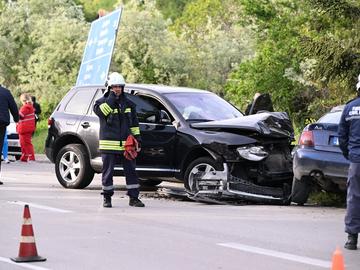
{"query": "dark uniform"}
(349, 140)
(7, 103)
(118, 120)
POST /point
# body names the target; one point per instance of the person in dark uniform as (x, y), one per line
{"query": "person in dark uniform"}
(37, 109)
(349, 140)
(118, 122)
(7, 103)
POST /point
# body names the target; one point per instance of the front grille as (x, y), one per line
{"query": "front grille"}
(239, 184)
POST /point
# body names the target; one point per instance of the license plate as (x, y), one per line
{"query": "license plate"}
(334, 140)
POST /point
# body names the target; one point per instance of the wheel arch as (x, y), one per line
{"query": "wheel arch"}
(195, 154)
(66, 139)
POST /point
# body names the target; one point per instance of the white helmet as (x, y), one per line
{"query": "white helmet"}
(115, 79)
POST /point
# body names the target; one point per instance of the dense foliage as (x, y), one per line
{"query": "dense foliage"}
(305, 53)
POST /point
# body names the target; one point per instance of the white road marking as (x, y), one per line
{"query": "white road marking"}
(277, 254)
(25, 265)
(7, 178)
(41, 207)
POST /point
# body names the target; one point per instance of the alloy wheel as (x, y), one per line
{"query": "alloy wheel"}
(69, 166)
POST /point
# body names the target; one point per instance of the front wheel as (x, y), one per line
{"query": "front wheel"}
(72, 167)
(196, 170)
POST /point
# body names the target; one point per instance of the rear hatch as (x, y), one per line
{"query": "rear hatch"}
(325, 131)
(326, 137)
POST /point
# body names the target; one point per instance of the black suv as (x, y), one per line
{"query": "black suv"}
(187, 134)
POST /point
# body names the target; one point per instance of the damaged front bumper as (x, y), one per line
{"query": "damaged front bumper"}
(219, 185)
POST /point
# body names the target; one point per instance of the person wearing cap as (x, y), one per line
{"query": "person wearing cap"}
(119, 130)
(349, 141)
(7, 103)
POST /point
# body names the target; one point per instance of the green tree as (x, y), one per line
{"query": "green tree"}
(147, 51)
(171, 8)
(39, 55)
(277, 49)
(91, 7)
(333, 40)
(217, 41)
(307, 55)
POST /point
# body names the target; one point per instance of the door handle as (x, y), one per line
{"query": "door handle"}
(85, 124)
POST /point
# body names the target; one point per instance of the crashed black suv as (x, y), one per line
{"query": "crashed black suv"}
(187, 134)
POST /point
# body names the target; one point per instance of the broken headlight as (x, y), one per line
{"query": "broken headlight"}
(253, 153)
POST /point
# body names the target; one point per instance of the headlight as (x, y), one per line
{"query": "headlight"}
(254, 153)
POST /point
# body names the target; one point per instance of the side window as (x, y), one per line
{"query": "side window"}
(148, 108)
(80, 101)
(98, 95)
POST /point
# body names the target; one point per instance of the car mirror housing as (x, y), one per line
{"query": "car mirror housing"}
(164, 117)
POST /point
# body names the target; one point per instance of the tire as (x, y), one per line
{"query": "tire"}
(72, 167)
(301, 190)
(198, 166)
(149, 182)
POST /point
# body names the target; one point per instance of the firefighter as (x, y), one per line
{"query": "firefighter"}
(349, 140)
(118, 123)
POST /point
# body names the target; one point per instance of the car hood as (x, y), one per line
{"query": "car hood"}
(269, 124)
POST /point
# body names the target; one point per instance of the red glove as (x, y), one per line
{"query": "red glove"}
(131, 145)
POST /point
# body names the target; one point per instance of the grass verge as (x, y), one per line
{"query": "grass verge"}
(39, 137)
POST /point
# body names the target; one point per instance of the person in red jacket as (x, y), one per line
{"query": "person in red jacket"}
(26, 127)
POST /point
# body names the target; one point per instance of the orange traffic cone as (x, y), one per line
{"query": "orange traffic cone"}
(338, 260)
(27, 250)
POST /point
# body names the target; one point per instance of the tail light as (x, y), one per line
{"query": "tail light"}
(306, 138)
(50, 122)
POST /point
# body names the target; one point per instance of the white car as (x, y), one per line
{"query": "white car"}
(13, 140)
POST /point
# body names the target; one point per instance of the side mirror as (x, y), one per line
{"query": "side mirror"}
(164, 117)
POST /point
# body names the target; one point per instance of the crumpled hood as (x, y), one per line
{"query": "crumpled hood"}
(272, 124)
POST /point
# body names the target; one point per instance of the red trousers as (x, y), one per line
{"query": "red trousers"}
(27, 149)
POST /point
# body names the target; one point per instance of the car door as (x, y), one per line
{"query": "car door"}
(89, 126)
(74, 110)
(158, 137)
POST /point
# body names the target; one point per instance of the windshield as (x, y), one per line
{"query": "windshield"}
(203, 106)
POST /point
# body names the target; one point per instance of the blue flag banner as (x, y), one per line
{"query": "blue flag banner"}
(98, 51)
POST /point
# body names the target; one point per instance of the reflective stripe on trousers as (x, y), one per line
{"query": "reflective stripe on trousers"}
(132, 181)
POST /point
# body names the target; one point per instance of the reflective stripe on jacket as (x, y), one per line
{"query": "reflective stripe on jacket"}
(117, 121)
(26, 123)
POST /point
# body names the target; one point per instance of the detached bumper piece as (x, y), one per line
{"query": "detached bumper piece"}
(215, 187)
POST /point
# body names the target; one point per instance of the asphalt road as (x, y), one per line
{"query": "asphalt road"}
(73, 230)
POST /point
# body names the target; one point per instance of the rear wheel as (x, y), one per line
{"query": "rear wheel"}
(196, 170)
(301, 189)
(72, 167)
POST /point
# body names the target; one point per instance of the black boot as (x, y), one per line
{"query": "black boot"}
(352, 241)
(136, 202)
(1, 183)
(107, 201)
